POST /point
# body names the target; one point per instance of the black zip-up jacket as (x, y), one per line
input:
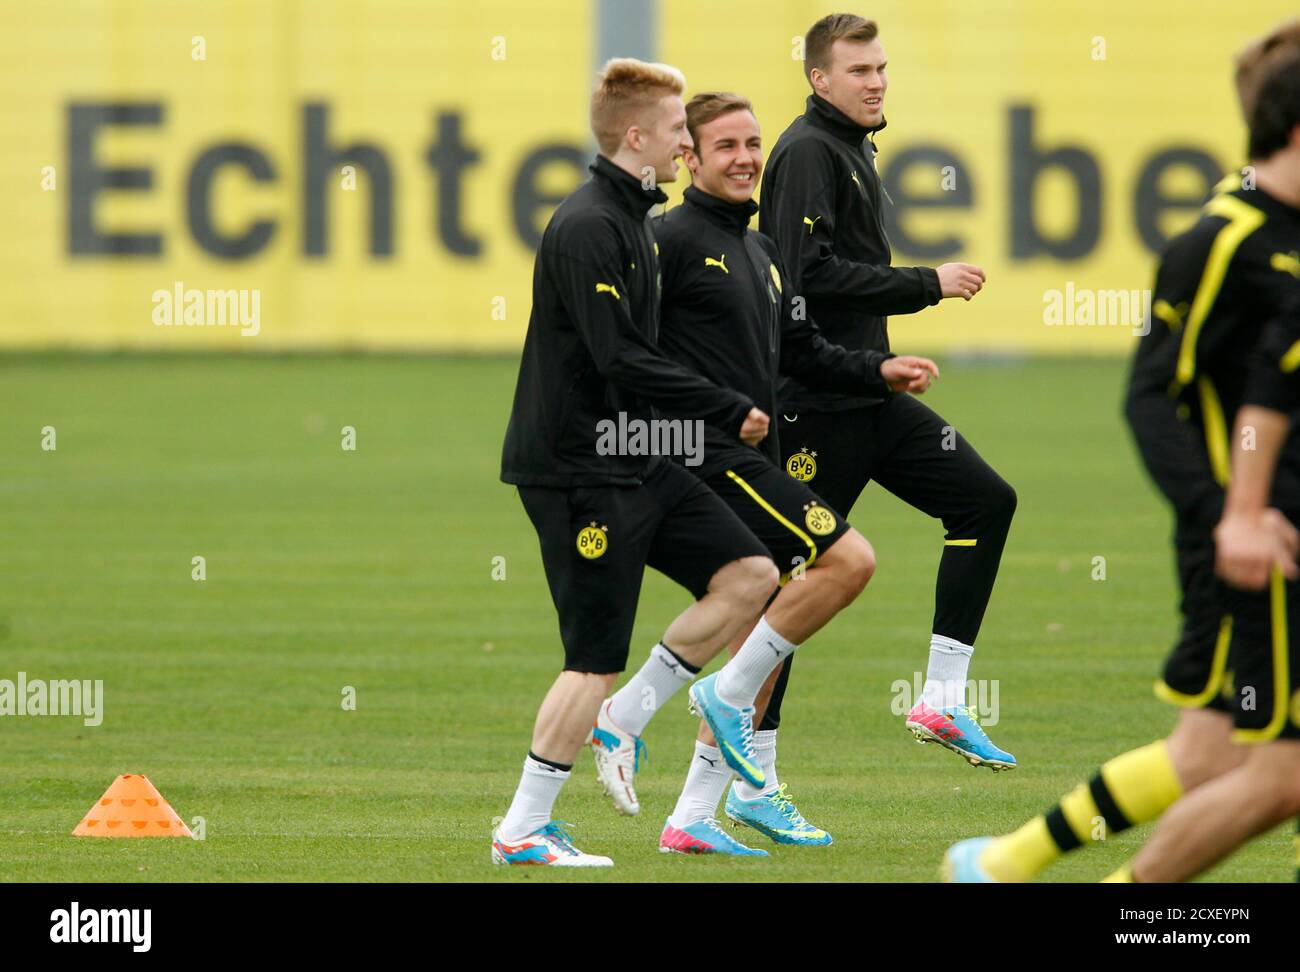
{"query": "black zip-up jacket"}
(1217, 287)
(729, 314)
(821, 203)
(591, 349)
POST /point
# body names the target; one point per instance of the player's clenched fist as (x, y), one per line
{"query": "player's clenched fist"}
(754, 430)
(909, 374)
(963, 280)
(1248, 547)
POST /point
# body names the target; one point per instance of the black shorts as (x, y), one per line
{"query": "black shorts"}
(913, 453)
(902, 444)
(1194, 675)
(1264, 662)
(596, 542)
(792, 521)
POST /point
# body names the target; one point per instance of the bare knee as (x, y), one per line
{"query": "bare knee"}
(1277, 766)
(1201, 747)
(748, 583)
(853, 562)
(1270, 776)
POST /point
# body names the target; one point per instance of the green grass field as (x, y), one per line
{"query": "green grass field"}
(373, 569)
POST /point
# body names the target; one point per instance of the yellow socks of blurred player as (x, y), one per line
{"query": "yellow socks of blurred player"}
(1130, 789)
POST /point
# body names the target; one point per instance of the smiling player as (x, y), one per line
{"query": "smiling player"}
(730, 315)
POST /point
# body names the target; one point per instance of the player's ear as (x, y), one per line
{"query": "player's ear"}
(692, 161)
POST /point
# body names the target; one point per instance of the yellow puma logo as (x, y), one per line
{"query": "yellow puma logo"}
(1288, 262)
(1171, 314)
(811, 223)
(603, 288)
(721, 264)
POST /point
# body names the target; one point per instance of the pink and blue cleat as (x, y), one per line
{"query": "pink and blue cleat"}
(703, 837)
(956, 728)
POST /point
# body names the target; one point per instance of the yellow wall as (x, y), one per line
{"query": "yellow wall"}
(385, 71)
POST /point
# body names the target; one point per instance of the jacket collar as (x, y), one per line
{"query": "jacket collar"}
(625, 187)
(827, 117)
(721, 212)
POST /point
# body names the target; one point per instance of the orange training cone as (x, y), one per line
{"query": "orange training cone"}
(132, 807)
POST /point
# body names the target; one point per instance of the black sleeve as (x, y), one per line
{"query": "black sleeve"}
(1274, 380)
(803, 211)
(588, 274)
(1169, 445)
(808, 357)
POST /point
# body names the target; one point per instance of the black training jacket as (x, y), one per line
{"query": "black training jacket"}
(591, 348)
(729, 314)
(1217, 287)
(821, 203)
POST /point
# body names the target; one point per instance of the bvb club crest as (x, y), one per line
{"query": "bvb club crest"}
(819, 519)
(802, 465)
(592, 541)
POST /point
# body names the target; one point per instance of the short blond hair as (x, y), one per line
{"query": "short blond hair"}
(625, 90)
(1255, 61)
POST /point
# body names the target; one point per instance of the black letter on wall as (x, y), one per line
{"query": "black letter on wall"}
(319, 162)
(1027, 164)
(86, 179)
(198, 201)
(449, 157)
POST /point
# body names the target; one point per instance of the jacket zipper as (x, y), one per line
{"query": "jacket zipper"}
(765, 287)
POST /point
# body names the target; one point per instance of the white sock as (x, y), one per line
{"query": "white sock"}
(706, 781)
(742, 677)
(765, 748)
(660, 677)
(945, 680)
(530, 810)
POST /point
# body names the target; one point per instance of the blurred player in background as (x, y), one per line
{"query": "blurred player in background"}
(1249, 539)
(822, 205)
(729, 314)
(1217, 285)
(590, 357)
(1264, 790)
